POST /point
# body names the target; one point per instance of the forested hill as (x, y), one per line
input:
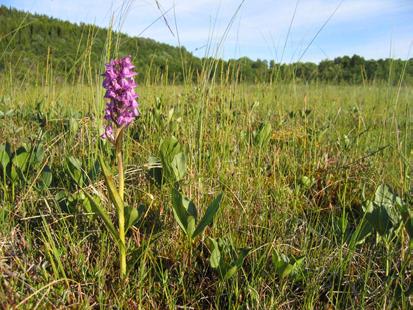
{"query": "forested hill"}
(37, 46)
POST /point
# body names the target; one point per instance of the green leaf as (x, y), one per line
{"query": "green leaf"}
(87, 206)
(39, 154)
(281, 264)
(297, 268)
(230, 272)
(263, 135)
(363, 230)
(190, 228)
(379, 219)
(74, 167)
(285, 268)
(46, 177)
(179, 211)
(385, 198)
(209, 215)
(233, 269)
(384, 213)
(96, 208)
(21, 159)
(173, 159)
(170, 115)
(73, 125)
(133, 215)
(113, 192)
(75, 163)
(215, 258)
(20, 162)
(4, 157)
(178, 166)
(307, 182)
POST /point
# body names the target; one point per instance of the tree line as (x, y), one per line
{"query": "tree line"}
(34, 47)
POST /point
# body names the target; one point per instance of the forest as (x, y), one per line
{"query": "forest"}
(35, 46)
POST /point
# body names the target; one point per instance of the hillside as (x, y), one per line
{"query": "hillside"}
(33, 47)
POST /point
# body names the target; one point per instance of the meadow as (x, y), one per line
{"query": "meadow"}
(316, 207)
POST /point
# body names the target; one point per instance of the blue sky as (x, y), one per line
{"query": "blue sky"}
(371, 28)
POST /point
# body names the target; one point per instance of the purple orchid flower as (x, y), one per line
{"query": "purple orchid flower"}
(122, 108)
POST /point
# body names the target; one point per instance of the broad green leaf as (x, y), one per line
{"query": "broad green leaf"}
(75, 162)
(39, 154)
(190, 228)
(379, 219)
(73, 125)
(178, 166)
(132, 215)
(4, 157)
(284, 267)
(74, 167)
(21, 159)
(190, 208)
(20, 163)
(384, 196)
(363, 230)
(45, 179)
(14, 176)
(88, 206)
(170, 115)
(209, 215)
(173, 159)
(96, 208)
(232, 270)
(307, 182)
(113, 192)
(297, 268)
(386, 199)
(263, 135)
(384, 213)
(282, 264)
(215, 258)
(179, 211)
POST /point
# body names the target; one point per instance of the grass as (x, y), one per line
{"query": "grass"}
(291, 194)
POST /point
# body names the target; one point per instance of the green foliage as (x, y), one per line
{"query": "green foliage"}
(47, 239)
(104, 216)
(74, 168)
(74, 51)
(223, 258)
(19, 167)
(186, 214)
(4, 156)
(173, 160)
(262, 135)
(286, 267)
(133, 215)
(114, 195)
(46, 178)
(384, 212)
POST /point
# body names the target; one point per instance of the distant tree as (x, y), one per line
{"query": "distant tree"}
(80, 49)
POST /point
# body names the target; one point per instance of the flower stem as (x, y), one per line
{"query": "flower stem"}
(121, 211)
